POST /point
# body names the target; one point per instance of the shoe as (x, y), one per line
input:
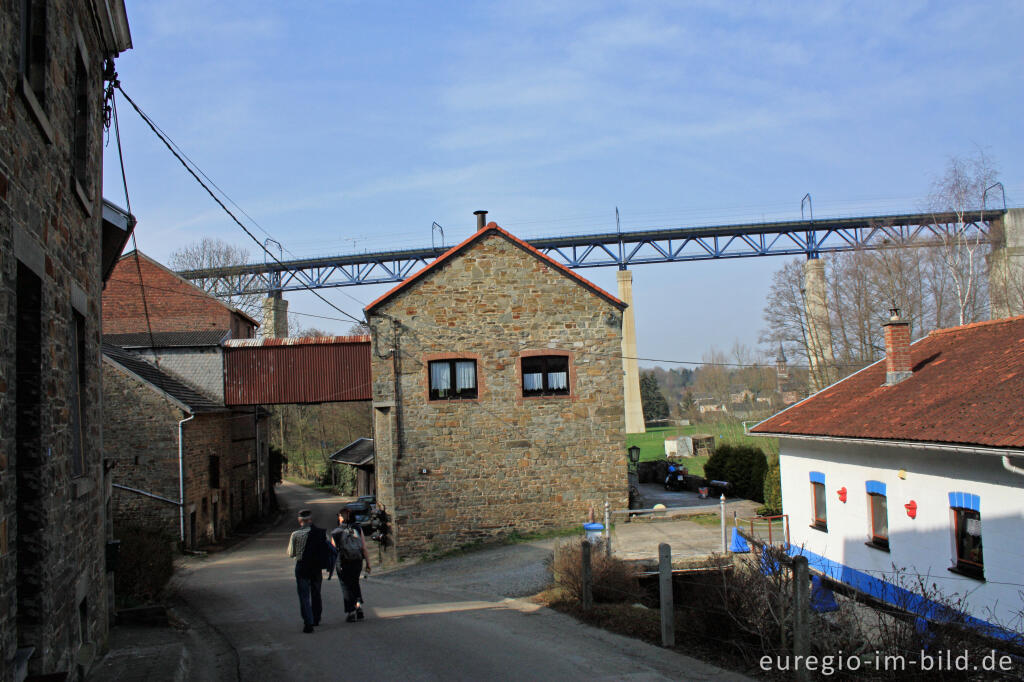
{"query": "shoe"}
(359, 613)
(307, 628)
(350, 618)
(315, 623)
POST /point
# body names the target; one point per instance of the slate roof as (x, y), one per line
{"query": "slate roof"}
(205, 337)
(490, 229)
(357, 453)
(131, 362)
(967, 388)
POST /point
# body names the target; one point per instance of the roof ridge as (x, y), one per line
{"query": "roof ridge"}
(975, 325)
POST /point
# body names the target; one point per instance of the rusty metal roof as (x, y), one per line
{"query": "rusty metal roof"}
(319, 369)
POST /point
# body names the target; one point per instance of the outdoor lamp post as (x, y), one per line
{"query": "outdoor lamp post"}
(634, 456)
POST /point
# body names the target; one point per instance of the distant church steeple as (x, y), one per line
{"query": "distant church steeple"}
(780, 364)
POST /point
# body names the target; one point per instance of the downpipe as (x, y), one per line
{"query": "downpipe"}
(1010, 467)
(181, 477)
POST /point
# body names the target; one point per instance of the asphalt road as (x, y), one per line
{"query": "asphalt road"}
(446, 620)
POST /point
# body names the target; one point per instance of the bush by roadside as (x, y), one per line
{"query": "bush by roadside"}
(743, 466)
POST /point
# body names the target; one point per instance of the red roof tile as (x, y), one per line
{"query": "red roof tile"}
(492, 228)
(967, 388)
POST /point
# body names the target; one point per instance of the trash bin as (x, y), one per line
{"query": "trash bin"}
(594, 532)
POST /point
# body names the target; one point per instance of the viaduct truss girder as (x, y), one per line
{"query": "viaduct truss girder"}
(622, 249)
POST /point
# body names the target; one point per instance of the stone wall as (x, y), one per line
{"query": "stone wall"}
(53, 579)
(141, 436)
(454, 471)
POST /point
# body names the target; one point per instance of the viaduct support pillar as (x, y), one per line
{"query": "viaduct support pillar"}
(1006, 265)
(275, 316)
(630, 370)
(819, 332)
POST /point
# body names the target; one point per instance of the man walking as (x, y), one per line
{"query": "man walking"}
(308, 545)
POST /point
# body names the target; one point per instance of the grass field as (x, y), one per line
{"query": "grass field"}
(652, 443)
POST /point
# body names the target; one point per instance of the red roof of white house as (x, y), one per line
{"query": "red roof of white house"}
(490, 229)
(967, 388)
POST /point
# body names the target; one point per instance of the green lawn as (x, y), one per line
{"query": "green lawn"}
(652, 443)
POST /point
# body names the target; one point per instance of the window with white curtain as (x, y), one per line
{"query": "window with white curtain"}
(545, 375)
(452, 379)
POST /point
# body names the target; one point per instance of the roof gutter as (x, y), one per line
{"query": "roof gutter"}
(915, 445)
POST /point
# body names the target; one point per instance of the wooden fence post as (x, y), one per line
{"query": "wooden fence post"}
(586, 576)
(668, 612)
(801, 614)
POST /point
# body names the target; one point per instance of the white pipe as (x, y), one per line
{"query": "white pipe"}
(181, 478)
(1009, 467)
(147, 494)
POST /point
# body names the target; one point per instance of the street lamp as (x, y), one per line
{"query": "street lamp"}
(634, 455)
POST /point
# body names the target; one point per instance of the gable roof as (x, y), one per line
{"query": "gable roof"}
(489, 230)
(967, 388)
(187, 397)
(357, 453)
(186, 339)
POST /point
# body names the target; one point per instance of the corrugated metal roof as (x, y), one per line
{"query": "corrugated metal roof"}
(967, 388)
(357, 453)
(151, 374)
(294, 371)
(206, 337)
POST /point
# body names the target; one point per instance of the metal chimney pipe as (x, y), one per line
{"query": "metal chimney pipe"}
(481, 219)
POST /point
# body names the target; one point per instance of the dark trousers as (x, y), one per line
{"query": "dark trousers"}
(349, 577)
(307, 582)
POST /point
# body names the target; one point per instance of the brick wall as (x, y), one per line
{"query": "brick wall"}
(172, 303)
(52, 523)
(502, 462)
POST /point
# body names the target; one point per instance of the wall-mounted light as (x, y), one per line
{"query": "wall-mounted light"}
(424, 472)
(902, 474)
(634, 456)
(842, 494)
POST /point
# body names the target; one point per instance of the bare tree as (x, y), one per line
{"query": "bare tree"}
(216, 253)
(959, 190)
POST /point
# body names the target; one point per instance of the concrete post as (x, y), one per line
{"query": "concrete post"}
(721, 505)
(586, 576)
(667, 603)
(608, 529)
(819, 331)
(1006, 265)
(630, 369)
(275, 317)
(801, 613)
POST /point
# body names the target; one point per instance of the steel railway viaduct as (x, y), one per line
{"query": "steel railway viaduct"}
(1002, 228)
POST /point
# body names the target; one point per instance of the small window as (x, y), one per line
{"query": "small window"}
(546, 375)
(214, 472)
(967, 527)
(820, 510)
(77, 393)
(452, 379)
(32, 58)
(82, 126)
(879, 520)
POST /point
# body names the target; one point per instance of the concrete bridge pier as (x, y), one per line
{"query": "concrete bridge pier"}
(1006, 265)
(818, 330)
(630, 369)
(275, 316)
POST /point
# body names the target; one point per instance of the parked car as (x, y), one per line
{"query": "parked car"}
(362, 511)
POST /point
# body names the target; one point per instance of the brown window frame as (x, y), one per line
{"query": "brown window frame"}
(819, 522)
(878, 541)
(969, 567)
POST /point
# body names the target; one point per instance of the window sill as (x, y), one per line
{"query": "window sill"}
(550, 396)
(38, 113)
(821, 527)
(879, 547)
(967, 573)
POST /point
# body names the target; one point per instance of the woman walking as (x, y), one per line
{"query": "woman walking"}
(348, 539)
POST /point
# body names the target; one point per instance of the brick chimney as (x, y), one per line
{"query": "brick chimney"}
(897, 349)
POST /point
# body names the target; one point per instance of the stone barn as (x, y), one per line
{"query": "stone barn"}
(497, 395)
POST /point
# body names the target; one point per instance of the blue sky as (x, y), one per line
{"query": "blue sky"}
(348, 126)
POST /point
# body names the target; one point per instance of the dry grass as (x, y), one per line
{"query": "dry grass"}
(613, 580)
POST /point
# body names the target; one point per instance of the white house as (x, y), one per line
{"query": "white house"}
(915, 466)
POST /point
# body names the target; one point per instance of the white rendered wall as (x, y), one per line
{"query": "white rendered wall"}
(922, 545)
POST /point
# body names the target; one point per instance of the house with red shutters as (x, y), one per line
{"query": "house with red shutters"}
(915, 466)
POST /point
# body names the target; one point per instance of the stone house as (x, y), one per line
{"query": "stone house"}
(181, 462)
(498, 396)
(168, 332)
(54, 585)
(915, 462)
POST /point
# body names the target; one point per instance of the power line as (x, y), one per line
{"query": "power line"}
(186, 166)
